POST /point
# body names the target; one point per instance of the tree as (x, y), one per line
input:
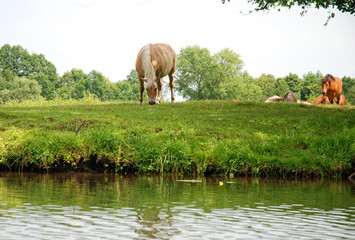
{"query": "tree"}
(99, 85)
(349, 89)
(40, 65)
(6, 79)
(195, 73)
(350, 95)
(76, 84)
(241, 88)
(132, 78)
(230, 62)
(294, 83)
(312, 86)
(48, 87)
(199, 75)
(267, 83)
(251, 90)
(72, 84)
(281, 87)
(347, 83)
(127, 89)
(231, 65)
(347, 6)
(33, 66)
(16, 59)
(21, 89)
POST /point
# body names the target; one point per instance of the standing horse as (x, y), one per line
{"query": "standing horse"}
(332, 88)
(155, 61)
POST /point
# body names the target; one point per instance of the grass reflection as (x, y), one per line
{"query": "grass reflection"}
(151, 193)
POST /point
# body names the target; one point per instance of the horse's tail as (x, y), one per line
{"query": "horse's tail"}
(149, 72)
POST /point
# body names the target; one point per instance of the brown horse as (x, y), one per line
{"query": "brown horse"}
(332, 88)
(321, 99)
(155, 61)
(342, 100)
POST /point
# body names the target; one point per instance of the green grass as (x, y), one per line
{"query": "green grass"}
(190, 138)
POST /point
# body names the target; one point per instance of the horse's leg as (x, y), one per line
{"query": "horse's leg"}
(171, 84)
(159, 91)
(141, 90)
(333, 101)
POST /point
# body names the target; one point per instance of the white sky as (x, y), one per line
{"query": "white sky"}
(106, 35)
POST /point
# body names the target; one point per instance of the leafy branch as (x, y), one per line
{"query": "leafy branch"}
(346, 6)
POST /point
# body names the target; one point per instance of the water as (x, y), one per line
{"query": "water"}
(99, 206)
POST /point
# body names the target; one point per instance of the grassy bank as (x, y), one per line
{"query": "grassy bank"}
(198, 137)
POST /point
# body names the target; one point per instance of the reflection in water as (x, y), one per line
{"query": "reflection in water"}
(100, 206)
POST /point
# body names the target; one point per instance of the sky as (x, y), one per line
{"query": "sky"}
(106, 35)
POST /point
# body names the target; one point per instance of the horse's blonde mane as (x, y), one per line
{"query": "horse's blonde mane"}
(149, 72)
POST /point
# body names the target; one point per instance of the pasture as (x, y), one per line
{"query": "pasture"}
(189, 138)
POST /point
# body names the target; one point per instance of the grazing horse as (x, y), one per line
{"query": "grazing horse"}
(321, 99)
(332, 88)
(155, 61)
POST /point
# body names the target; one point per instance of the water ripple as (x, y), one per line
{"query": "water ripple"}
(176, 222)
(114, 207)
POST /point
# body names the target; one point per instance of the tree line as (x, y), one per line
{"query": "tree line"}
(202, 75)
(26, 76)
(199, 75)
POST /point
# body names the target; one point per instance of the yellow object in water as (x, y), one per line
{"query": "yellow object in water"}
(220, 183)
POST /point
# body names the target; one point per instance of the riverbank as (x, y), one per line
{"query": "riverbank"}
(190, 138)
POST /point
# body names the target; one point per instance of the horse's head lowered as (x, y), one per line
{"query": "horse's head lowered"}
(326, 83)
(152, 90)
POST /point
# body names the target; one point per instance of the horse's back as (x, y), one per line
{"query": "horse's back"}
(163, 59)
(339, 87)
(335, 90)
(139, 60)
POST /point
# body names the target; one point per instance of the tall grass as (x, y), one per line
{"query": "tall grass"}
(190, 138)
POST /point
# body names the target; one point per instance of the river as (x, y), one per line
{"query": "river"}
(105, 206)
